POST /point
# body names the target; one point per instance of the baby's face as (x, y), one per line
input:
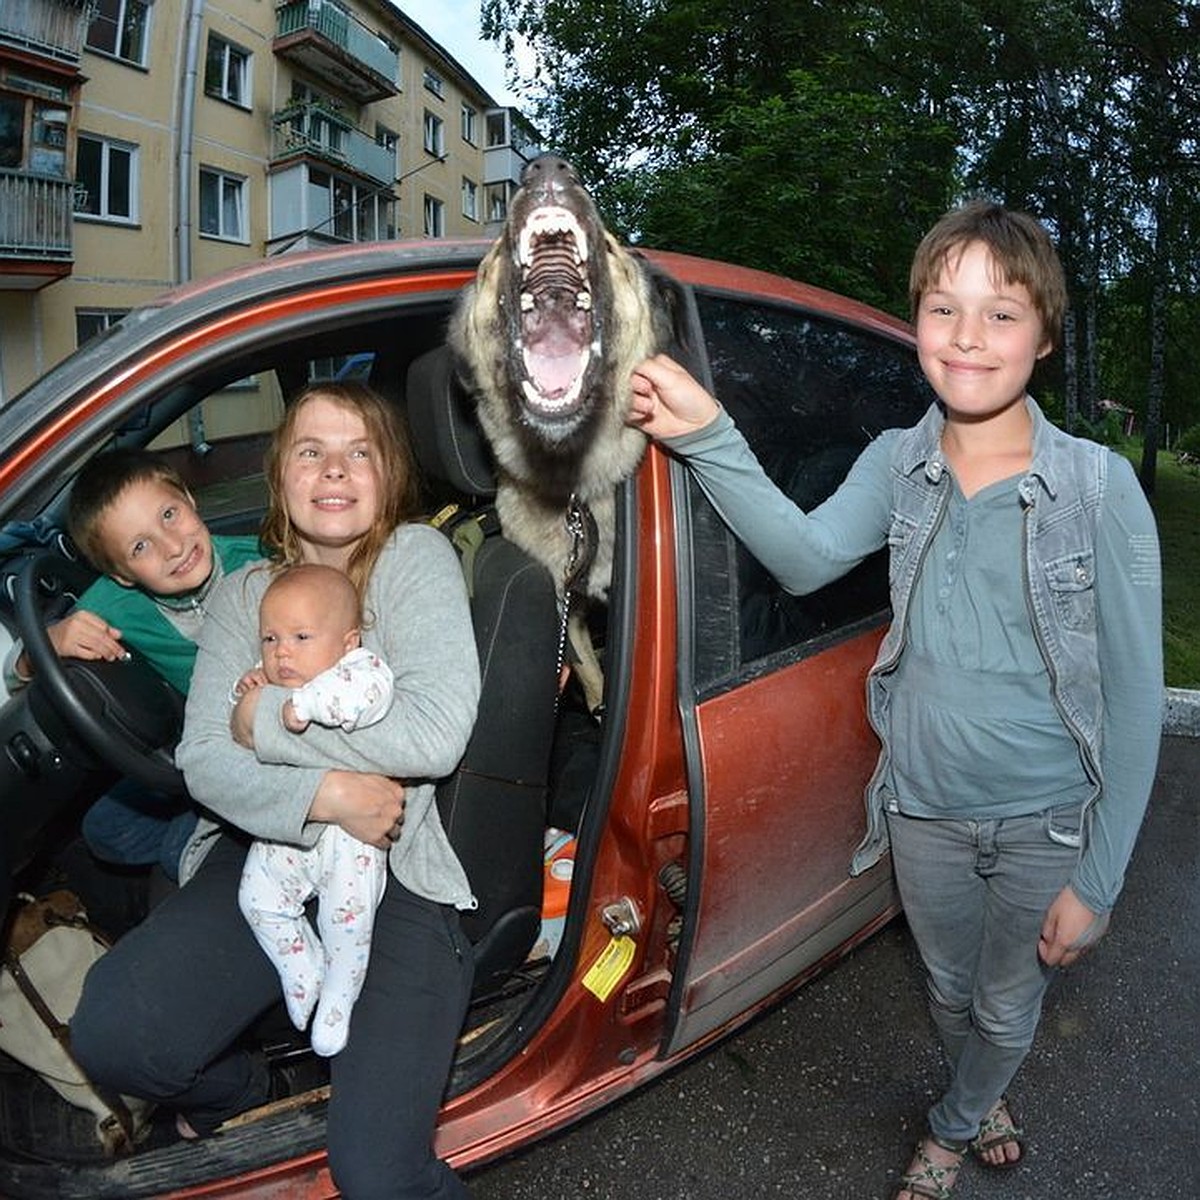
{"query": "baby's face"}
(301, 635)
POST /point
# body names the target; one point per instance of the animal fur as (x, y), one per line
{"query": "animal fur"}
(545, 338)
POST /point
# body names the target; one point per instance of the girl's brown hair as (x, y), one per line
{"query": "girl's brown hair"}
(394, 464)
(1020, 248)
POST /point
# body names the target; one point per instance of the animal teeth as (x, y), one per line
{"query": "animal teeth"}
(584, 301)
(540, 403)
(526, 302)
(551, 221)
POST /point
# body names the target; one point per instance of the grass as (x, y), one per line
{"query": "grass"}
(1177, 507)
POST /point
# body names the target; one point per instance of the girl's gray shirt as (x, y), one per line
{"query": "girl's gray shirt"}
(418, 621)
(806, 551)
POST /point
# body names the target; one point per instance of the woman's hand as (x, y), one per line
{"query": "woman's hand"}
(1069, 928)
(241, 720)
(367, 807)
(667, 401)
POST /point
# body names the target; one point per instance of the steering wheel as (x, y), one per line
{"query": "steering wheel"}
(124, 712)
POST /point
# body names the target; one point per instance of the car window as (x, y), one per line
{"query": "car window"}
(808, 393)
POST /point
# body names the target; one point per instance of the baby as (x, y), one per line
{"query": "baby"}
(309, 622)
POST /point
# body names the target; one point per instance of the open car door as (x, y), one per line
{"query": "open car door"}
(777, 744)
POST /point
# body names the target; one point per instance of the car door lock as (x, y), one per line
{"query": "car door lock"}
(621, 918)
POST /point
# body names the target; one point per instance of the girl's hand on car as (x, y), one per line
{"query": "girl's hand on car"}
(368, 807)
(667, 401)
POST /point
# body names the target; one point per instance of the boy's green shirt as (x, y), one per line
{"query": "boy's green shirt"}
(143, 626)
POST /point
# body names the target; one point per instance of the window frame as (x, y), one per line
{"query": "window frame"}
(752, 627)
(433, 134)
(433, 83)
(469, 119)
(232, 56)
(495, 202)
(434, 216)
(470, 199)
(106, 318)
(223, 178)
(124, 24)
(108, 147)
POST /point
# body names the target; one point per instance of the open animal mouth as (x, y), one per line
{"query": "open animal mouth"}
(557, 335)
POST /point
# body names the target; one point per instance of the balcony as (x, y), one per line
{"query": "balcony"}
(511, 145)
(337, 48)
(313, 131)
(51, 29)
(35, 230)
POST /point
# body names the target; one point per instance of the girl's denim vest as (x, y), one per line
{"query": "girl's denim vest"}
(1061, 496)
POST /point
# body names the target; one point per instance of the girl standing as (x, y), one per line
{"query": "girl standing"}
(1018, 691)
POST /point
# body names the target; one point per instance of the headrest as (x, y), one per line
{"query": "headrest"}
(446, 440)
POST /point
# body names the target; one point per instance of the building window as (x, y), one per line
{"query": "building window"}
(348, 211)
(120, 28)
(497, 202)
(433, 82)
(389, 139)
(106, 179)
(497, 129)
(470, 120)
(33, 131)
(435, 217)
(227, 72)
(91, 322)
(435, 135)
(222, 205)
(470, 199)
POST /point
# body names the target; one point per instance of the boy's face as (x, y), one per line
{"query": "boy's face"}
(978, 337)
(303, 632)
(156, 540)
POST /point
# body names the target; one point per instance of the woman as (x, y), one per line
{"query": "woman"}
(161, 1013)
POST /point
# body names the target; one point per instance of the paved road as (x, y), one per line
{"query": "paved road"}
(823, 1096)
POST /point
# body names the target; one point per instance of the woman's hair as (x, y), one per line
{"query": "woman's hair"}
(1019, 245)
(394, 464)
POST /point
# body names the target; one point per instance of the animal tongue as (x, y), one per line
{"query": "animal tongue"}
(553, 374)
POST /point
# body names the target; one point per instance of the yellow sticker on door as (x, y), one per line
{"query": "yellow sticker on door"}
(610, 967)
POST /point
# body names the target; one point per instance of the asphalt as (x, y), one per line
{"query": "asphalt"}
(824, 1095)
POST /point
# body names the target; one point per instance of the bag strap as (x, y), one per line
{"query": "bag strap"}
(467, 531)
(61, 1033)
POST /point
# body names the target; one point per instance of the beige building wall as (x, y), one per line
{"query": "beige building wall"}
(121, 264)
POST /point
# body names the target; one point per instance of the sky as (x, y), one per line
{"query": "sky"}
(454, 24)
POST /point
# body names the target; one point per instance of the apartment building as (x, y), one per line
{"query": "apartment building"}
(144, 143)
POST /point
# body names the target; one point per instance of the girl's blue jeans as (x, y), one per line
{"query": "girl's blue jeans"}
(975, 894)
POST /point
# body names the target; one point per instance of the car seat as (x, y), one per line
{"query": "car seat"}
(494, 805)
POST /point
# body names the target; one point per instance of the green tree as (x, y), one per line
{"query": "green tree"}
(821, 140)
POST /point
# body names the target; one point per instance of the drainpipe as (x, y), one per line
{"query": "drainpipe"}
(184, 194)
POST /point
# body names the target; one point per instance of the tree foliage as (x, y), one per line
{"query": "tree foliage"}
(821, 140)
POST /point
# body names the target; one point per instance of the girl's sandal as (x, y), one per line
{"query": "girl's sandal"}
(927, 1180)
(997, 1130)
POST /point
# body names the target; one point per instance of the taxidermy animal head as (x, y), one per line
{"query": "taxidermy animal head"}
(545, 339)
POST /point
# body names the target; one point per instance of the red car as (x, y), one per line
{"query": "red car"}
(709, 818)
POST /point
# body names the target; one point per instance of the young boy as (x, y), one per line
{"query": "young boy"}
(310, 621)
(133, 518)
(1017, 694)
